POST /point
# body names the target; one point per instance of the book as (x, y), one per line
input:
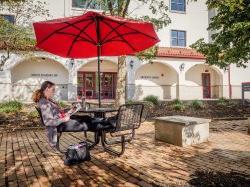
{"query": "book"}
(75, 109)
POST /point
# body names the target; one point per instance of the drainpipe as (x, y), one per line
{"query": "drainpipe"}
(229, 82)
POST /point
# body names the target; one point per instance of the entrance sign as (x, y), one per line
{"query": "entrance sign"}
(43, 75)
(245, 88)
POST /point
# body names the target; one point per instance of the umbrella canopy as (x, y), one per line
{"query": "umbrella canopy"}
(93, 35)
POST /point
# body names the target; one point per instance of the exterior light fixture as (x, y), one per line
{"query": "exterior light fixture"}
(182, 67)
(72, 62)
(131, 63)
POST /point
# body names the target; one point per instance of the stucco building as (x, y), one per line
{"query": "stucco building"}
(176, 72)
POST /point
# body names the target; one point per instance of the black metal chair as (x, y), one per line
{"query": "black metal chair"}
(121, 126)
(59, 130)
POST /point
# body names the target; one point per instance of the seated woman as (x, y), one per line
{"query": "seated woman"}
(54, 118)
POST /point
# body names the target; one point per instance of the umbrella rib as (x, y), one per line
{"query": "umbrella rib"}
(75, 39)
(120, 24)
(133, 29)
(121, 37)
(83, 32)
(140, 32)
(54, 32)
(125, 34)
(71, 34)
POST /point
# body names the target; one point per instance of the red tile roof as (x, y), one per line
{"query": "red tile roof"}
(179, 53)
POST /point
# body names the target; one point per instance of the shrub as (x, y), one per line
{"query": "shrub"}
(11, 106)
(179, 106)
(152, 99)
(177, 102)
(222, 101)
(195, 104)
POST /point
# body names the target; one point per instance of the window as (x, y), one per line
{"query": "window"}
(178, 5)
(88, 4)
(10, 18)
(178, 38)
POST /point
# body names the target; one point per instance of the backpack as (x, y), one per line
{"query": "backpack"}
(77, 153)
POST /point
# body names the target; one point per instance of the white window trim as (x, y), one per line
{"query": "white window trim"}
(176, 46)
(177, 11)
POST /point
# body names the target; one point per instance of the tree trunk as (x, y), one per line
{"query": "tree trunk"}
(121, 81)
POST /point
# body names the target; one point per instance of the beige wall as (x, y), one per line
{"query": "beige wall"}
(193, 82)
(155, 79)
(29, 74)
(106, 66)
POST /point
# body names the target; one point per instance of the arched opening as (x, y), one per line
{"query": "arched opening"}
(205, 81)
(28, 75)
(157, 79)
(87, 77)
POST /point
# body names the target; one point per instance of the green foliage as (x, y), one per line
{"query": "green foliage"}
(196, 104)
(152, 99)
(178, 105)
(13, 37)
(24, 11)
(222, 101)
(33, 114)
(10, 107)
(177, 101)
(231, 38)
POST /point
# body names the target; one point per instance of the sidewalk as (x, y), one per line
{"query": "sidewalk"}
(25, 159)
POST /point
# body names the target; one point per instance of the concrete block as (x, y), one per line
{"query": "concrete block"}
(182, 130)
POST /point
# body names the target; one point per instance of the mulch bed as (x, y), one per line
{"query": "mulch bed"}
(210, 110)
(231, 111)
(220, 179)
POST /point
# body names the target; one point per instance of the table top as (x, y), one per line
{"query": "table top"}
(102, 110)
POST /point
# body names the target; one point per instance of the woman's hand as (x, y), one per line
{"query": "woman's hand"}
(66, 118)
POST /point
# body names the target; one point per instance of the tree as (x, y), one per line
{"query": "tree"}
(14, 37)
(2, 1)
(25, 10)
(120, 8)
(231, 39)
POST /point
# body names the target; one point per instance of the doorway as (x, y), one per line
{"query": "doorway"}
(206, 85)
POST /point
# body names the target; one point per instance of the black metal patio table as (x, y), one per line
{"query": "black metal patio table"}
(99, 115)
(98, 112)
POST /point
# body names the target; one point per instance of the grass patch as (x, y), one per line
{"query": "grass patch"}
(11, 107)
(152, 99)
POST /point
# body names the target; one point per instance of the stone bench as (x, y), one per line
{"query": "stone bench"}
(182, 130)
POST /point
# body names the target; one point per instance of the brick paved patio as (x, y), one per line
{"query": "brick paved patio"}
(25, 159)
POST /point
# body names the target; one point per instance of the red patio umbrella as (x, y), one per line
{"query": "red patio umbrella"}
(93, 35)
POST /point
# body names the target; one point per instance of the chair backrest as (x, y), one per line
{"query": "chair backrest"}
(40, 114)
(129, 116)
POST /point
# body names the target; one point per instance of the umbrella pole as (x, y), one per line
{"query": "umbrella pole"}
(99, 77)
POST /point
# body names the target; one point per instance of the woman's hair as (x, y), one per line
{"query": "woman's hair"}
(38, 94)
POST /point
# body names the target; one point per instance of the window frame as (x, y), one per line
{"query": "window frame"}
(185, 38)
(14, 18)
(81, 8)
(177, 11)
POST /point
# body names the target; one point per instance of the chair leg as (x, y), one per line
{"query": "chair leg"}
(109, 149)
(58, 141)
(85, 135)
